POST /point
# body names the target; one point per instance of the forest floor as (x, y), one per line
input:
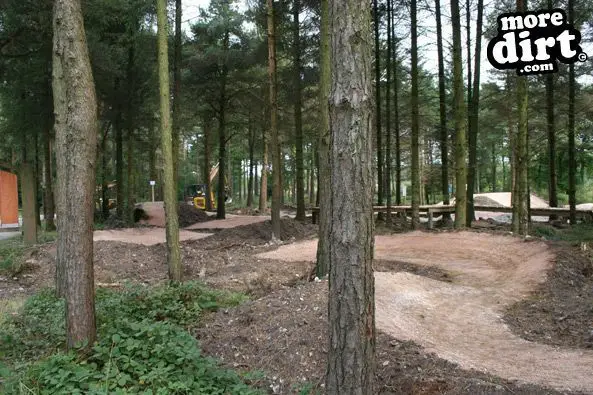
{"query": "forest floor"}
(457, 312)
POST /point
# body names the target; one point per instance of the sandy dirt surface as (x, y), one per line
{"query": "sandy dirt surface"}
(231, 221)
(144, 236)
(461, 321)
(223, 260)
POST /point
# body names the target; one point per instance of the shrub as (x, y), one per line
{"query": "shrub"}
(143, 346)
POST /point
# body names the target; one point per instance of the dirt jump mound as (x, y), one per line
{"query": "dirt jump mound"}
(261, 232)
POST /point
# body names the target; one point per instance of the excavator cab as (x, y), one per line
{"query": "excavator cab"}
(197, 193)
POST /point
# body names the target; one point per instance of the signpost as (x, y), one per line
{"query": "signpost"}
(152, 184)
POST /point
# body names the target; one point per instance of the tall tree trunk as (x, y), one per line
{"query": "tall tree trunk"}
(277, 190)
(27, 181)
(395, 118)
(207, 181)
(351, 356)
(75, 107)
(298, 117)
(119, 154)
(222, 162)
(493, 175)
(172, 220)
(48, 198)
(263, 191)
(312, 174)
(474, 112)
(398, 172)
(104, 178)
(176, 139)
(36, 181)
(323, 177)
(442, 113)
(572, 161)
(251, 164)
(415, 120)
(460, 119)
(468, 31)
(521, 192)
(376, 24)
(551, 125)
(387, 175)
(130, 77)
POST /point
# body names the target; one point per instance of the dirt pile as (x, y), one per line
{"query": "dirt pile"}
(285, 335)
(153, 214)
(481, 200)
(559, 312)
(261, 232)
(189, 215)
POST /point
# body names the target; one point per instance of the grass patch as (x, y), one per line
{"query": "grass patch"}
(144, 345)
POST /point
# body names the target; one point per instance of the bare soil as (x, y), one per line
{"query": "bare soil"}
(459, 304)
(225, 260)
(460, 320)
(285, 335)
(560, 311)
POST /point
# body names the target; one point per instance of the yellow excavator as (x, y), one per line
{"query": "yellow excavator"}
(197, 193)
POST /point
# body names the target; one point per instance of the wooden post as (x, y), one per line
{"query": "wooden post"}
(28, 197)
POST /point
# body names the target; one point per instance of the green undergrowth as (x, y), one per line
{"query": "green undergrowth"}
(12, 252)
(582, 232)
(144, 346)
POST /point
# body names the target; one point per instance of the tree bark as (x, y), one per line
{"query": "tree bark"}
(377, 22)
(551, 126)
(275, 141)
(474, 112)
(263, 192)
(48, 196)
(176, 139)
(119, 157)
(521, 191)
(129, 209)
(75, 107)
(415, 120)
(27, 178)
(572, 162)
(351, 356)
(389, 64)
(222, 161)
(442, 113)
(251, 164)
(171, 218)
(323, 259)
(460, 119)
(298, 115)
(207, 132)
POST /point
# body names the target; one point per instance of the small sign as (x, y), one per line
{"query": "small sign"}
(153, 183)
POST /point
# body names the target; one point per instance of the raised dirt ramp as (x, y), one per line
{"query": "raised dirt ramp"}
(462, 321)
(144, 236)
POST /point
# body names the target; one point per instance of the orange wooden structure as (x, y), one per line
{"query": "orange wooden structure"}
(9, 199)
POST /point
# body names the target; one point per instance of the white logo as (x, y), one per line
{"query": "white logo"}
(533, 42)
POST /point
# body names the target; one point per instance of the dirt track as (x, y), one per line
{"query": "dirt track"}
(144, 236)
(462, 321)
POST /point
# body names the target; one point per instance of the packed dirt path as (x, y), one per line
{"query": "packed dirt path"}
(231, 221)
(144, 236)
(461, 320)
